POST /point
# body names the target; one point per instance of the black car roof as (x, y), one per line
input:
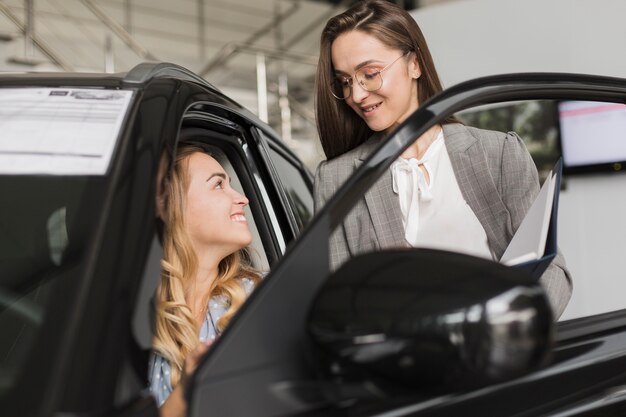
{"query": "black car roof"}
(136, 77)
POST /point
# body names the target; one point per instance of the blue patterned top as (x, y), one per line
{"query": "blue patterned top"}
(159, 368)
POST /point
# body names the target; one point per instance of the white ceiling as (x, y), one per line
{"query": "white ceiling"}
(188, 32)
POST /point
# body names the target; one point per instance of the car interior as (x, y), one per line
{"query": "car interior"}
(47, 229)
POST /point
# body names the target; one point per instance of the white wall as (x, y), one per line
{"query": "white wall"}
(592, 236)
(473, 38)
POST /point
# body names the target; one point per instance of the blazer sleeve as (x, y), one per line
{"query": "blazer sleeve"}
(324, 187)
(320, 186)
(520, 186)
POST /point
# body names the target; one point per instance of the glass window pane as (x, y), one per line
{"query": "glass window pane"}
(296, 188)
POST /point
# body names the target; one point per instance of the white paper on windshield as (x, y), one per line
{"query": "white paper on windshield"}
(59, 131)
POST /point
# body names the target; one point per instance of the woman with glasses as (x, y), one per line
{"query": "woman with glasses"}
(456, 188)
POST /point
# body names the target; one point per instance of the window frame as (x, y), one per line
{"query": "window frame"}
(271, 143)
(306, 176)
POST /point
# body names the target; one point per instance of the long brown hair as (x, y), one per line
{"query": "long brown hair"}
(340, 128)
(175, 330)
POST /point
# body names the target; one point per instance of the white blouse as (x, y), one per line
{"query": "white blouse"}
(434, 213)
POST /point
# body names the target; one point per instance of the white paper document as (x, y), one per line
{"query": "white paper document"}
(529, 242)
(60, 131)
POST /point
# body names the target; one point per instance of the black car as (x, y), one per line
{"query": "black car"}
(79, 263)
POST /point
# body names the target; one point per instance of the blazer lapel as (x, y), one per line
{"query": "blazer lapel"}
(477, 185)
(383, 206)
(475, 181)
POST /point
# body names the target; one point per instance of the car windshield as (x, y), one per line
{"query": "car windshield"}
(55, 151)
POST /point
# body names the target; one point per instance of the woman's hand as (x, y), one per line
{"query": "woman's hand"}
(175, 405)
(191, 362)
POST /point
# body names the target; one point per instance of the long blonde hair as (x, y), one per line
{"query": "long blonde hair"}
(175, 330)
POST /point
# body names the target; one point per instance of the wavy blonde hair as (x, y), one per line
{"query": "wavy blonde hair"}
(175, 333)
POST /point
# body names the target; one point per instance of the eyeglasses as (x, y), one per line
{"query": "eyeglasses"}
(370, 79)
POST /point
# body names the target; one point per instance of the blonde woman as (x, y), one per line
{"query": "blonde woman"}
(204, 280)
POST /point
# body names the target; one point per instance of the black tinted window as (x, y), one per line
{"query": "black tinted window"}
(296, 187)
(45, 225)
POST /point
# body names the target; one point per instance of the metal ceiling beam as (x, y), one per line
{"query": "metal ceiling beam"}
(119, 30)
(233, 48)
(45, 49)
(224, 54)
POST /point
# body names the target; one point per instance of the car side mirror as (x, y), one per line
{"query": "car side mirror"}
(430, 318)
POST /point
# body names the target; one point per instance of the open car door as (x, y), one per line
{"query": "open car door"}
(267, 364)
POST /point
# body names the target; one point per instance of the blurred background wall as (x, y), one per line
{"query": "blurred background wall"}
(474, 38)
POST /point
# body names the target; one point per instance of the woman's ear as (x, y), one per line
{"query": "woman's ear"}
(414, 67)
(162, 186)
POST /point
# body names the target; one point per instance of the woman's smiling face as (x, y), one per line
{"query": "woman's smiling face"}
(214, 211)
(396, 99)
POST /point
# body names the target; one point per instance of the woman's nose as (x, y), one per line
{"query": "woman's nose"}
(358, 92)
(240, 199)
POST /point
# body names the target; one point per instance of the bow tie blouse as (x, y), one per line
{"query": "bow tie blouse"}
(434, 212)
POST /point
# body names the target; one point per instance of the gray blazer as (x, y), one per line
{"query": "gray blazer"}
(497, 178)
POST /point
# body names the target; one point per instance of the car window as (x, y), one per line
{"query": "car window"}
(296, 185)
(589, 137)
(46, 224)
(56, 150)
